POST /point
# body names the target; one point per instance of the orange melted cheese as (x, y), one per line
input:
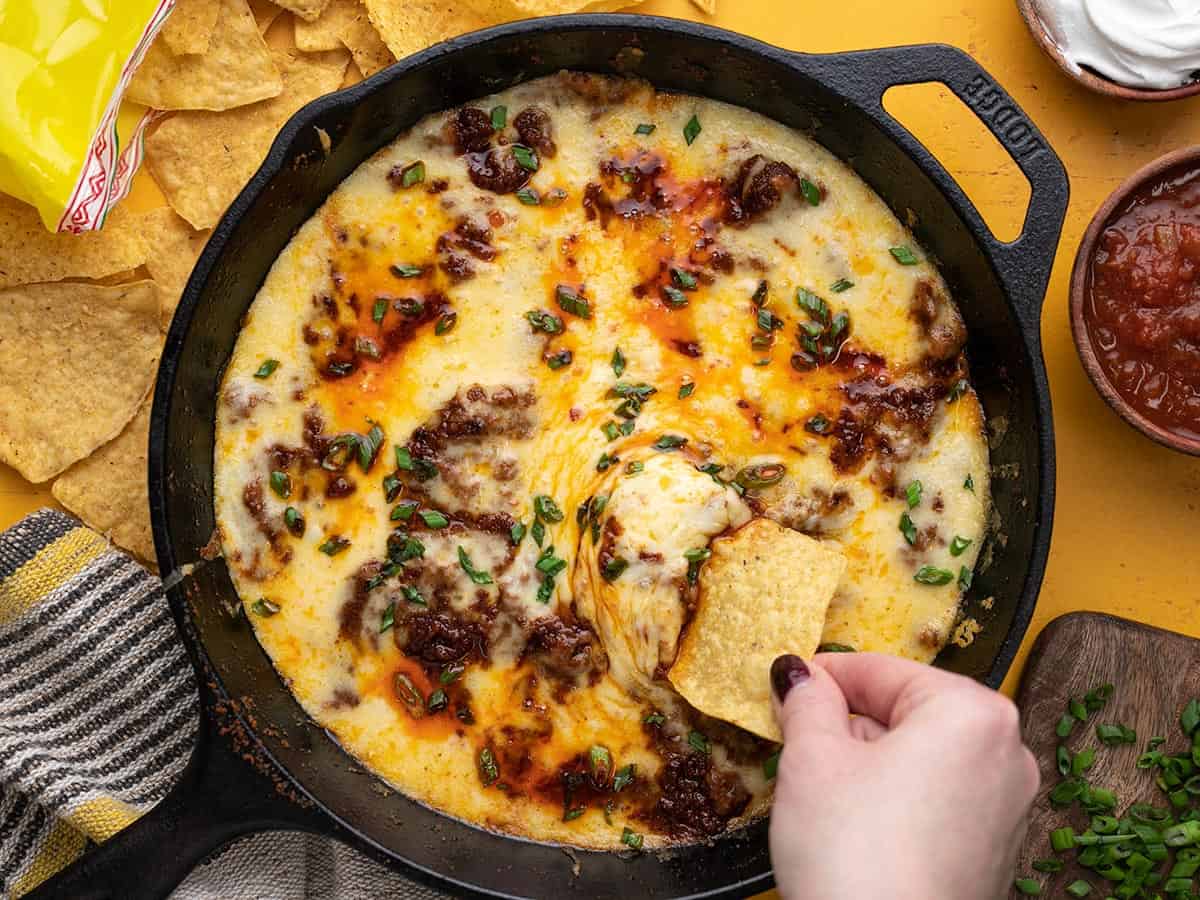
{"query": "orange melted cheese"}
(750, 403)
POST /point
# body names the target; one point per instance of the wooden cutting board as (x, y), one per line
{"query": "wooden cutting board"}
(1154, 672)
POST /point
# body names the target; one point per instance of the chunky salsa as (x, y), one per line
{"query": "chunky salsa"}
(1143, 310)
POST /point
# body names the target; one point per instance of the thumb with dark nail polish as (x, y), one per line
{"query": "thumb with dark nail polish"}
(788, 671)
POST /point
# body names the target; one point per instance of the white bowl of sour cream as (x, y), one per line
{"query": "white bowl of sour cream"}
(1135, 49)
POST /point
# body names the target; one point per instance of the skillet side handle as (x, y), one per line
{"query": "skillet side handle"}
(1023, 264)
(219, 797)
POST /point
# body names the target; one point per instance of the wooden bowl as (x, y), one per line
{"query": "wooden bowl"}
(1031, 11)
(1081, 282)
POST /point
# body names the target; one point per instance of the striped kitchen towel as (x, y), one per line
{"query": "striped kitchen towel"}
(98, 715)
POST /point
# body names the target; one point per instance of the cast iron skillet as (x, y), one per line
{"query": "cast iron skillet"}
(836, 98)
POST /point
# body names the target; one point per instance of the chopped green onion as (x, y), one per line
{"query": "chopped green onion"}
(540, 320)
(267, 368)
(499, 117)
(817, 308)
(932, 575)
(600, 763)
(1062, 839)
(332, 546)
(434, 519)
(618, 362)
(818, 424)
(1047, 865)
(413, 173)
(1189, 719)
(633, 467)
(698, 742)
(654, 718)
(538, 532)
(476, 575)
(912, 494)
(559, 360)
(437, 701)
(388, 619)
(1028, 887)
(686, 389)
(606, 462)
(572, 302)
(379, 310)
(624, 777)
(1083, 761)
(294, 521)
(691, 130)
(969, 484)
(546, 509)
(835, 648)
(631, 838)
(451, 673)
(403, 270)
(841, 285)
(1079, 888)
(528, 196)
(404, 510)
(670, 442)
(760, 475)
(445, 323)
(489, 772)
(904, 256)
(525, 157)
(1111, 735)
(965, 577)
(264, 607)
(683, 279)
(957, 390)
(959, 544)
(908, 529)
(644, 128)
(612, 569)
(412, 595)
(1077, 709)
(674, 297)
(281, 484)
(811, 192)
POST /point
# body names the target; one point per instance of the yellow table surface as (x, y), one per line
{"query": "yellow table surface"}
(1128, 514)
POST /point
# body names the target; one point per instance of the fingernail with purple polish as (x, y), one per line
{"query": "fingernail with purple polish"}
(786, 672)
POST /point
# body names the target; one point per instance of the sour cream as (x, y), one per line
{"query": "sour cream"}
(1138, 43)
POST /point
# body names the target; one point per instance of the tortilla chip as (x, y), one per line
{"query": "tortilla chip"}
(236, 70)
(265, 14)
(29, 253)
(409, 27)
(170, 259)
(345, 24)
(76, 360)
(708, 7)
(190, 27)
(201, 160)
(764, 592)
(308, 10)
(108, 489)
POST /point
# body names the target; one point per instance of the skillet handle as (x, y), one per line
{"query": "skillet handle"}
(219, 797)
(1023, 264)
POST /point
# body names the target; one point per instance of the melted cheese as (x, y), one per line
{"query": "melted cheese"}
(749, 405)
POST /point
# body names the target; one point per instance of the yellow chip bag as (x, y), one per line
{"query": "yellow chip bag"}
(67, 146)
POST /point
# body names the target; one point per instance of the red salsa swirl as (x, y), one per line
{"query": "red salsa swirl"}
(1142, 312)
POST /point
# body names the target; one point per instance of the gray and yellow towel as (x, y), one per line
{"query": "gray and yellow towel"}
(98, 717)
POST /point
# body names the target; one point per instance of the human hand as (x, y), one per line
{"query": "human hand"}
(923, 796)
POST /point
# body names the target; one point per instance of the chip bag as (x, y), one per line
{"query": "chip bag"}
(68, 144)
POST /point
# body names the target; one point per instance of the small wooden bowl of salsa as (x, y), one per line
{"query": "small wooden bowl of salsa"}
(1135, 301)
